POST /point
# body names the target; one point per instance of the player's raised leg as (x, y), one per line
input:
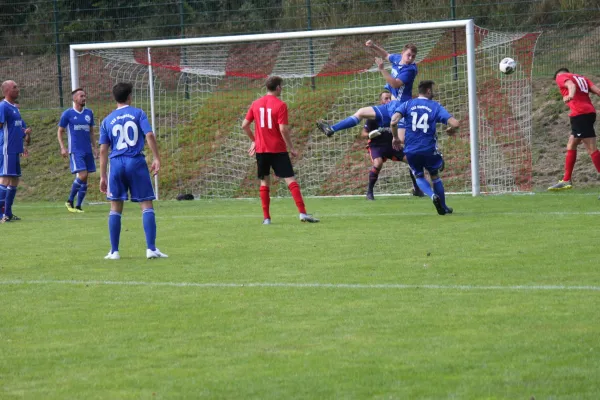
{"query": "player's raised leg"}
(347, 123)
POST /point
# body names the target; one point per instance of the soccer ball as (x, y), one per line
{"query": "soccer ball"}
(507, 65)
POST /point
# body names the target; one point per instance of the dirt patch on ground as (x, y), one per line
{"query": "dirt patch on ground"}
(551, 130)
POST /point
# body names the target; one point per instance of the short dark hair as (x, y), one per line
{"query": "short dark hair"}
(384, 92)
(273, 82)
(77, 90)
(558, 71)
(410, 46)
(121, 91)
(424, 86)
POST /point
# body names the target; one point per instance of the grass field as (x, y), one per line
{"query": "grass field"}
(381, 300)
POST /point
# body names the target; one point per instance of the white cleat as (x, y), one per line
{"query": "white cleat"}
(155, 254)
(308, 218)
(375, 133)
(113, 256)
(267, 221)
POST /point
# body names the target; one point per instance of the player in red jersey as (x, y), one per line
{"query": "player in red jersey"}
(575, 91)
(270, 143)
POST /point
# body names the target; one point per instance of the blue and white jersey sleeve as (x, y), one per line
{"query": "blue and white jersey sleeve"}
(443, 115)
(11, 133)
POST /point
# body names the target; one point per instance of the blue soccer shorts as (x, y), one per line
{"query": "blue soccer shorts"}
(10, 165)
(420, 162)
(82, 162)
(129, 174)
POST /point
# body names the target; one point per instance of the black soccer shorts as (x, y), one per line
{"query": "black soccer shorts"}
(280, 162)
(582, 126)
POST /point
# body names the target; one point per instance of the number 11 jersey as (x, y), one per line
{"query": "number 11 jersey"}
(268, 113)
(124, 130)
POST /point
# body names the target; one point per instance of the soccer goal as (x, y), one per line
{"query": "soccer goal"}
(196, 92)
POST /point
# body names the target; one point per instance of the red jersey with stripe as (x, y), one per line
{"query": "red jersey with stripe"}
(268, 113)
(581, 103)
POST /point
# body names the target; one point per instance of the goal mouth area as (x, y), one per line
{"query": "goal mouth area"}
(198, 90)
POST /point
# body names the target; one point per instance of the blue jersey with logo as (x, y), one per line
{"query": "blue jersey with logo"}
(11, 136)
(406, 73)
(78, 125)
(421, 116)
(124, 130)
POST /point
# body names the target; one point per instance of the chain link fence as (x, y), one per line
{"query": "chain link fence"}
(35, 35)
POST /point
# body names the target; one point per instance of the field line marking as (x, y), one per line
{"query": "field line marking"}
(308, 285)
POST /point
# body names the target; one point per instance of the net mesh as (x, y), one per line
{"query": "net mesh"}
(202, 92)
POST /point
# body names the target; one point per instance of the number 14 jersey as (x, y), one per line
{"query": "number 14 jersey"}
(124, 130)
(267, 113)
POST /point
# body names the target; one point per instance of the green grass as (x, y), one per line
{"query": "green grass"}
(505, 315)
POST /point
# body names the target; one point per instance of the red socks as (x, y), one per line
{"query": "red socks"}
(596, 159)
(297, 195)
(265, 200)
(570, 163)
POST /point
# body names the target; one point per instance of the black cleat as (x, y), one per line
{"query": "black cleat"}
(437, 202)
(325, 128)
(417, 193)
(370, 196)
(449, 210)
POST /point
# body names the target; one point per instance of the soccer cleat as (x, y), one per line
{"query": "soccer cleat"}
(375, 133)
(155, 254)
(78, 209)
(267, 221)
(308, 218)
(325, 128)
(6, 219)
(112, 256)
(561, 185)
(417, 193)
(437, 202)
(370, 196)
(449, 210)
(70, 207)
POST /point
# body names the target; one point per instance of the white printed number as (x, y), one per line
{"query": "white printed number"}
(122, 131)
(583, 86)
(422, 124)
(262, 118)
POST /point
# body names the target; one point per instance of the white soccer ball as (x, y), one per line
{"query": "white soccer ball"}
(507, 65)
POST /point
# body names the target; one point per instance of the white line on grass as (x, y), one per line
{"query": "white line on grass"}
(306, 285)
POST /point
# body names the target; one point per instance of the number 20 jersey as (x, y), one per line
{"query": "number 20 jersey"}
(124, 130)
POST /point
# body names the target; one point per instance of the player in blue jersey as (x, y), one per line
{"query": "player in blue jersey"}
(78, 122)
(125, 131)
(420, 140)
(404, 70)
(380, 148)
(11, 145)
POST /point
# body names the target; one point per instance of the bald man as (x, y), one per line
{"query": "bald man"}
(11, 145)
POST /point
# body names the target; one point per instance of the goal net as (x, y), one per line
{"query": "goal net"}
(197, 92)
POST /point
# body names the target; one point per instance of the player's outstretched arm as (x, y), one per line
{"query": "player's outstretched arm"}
(453, 125)
(63, 150)
(151, 139)
(103, 167)
(378, 49)
(393, 82)
(572, 89)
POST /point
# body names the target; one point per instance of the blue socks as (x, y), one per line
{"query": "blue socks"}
(149, 221)
(11, 192)
(114, 230)
(424, 186)
(438, 188)
(75, 188)
(346, 123)
(2, 196)
(81, 193)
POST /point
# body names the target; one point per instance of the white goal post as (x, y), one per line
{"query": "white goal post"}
(174, 80)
